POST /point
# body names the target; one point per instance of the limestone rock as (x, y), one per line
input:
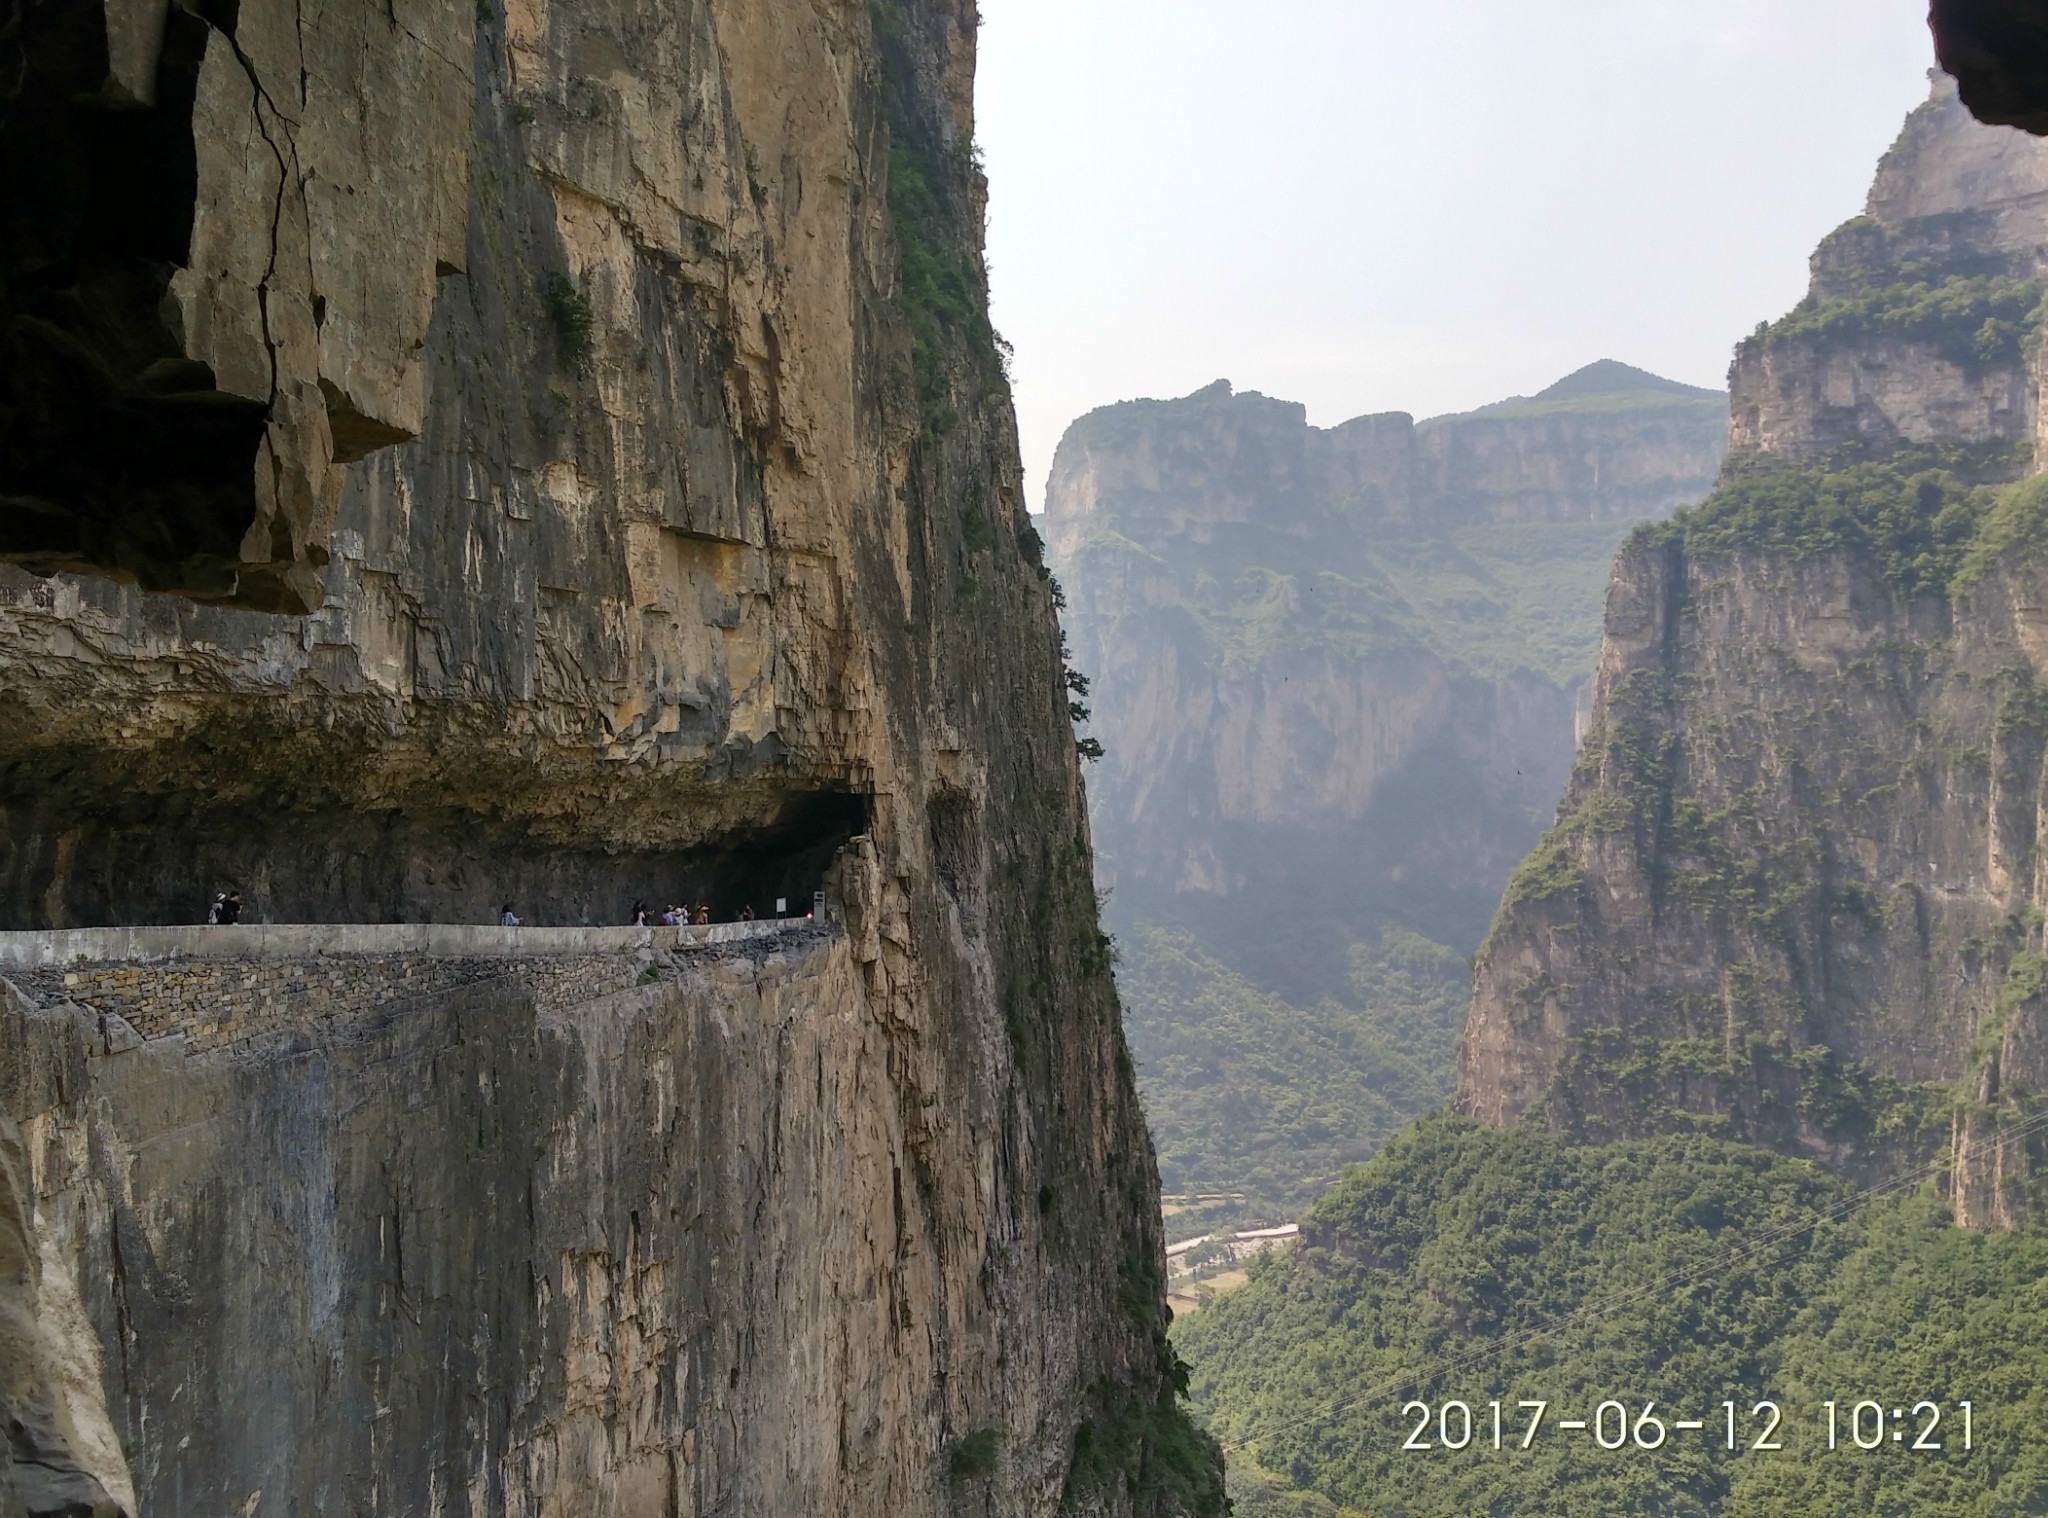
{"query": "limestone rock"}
(1301, 672)
(1830, 915)
(658, 1251)
(654, 541)
(221, 292)
(1953, 202)
(119, 1034)
(60, 1455)
(1791, 896)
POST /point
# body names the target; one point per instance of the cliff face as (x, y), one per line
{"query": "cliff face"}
(1794, 874)
(1913, 332)
(620, 1251)
(1607, 443)
(1336, 671)
(1793, 894)
(572, 1236)
(594, 480)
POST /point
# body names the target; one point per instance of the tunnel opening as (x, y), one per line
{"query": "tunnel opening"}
(118, 454)
(160, 860)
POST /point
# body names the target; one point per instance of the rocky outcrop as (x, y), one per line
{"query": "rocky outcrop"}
(1329, 687)
(1918, 328)
(226, 228)
(639, 451)
(1793, 893)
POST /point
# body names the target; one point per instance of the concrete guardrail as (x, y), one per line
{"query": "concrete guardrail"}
(41, 947)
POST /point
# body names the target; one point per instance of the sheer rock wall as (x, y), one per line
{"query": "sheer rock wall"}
(647, 1250)
(1795, 890)
(1817, 914)
(649, 524)
(1276, 619)
(1952, 200)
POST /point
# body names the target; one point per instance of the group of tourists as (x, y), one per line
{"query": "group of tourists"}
(226, 907)
(645, 916)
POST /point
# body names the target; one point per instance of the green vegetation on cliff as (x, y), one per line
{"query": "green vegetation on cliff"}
(1917, 521)
(1479, 1264)
(2011, 533)
(1975, 322)
(1917, 513)
(1727, 784)
(1134, 1447)
(942, 289)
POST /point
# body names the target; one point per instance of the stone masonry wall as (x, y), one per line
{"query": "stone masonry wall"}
(216, 1004)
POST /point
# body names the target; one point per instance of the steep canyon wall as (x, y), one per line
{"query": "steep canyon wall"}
(1336, 672)
(1794, 891)
(553, 452)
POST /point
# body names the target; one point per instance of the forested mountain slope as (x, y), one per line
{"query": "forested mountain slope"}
(1474, 1265)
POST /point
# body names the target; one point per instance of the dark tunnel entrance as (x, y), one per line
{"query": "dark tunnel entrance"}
(785, 862)
(156, 860)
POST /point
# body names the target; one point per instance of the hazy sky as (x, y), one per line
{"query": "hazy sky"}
(1414, 205)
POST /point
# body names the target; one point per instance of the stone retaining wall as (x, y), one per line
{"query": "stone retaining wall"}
(192, 987)
(34, 948)
(212, 1004)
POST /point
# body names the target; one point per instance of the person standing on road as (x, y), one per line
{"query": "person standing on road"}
(505, 917)
(231, 908)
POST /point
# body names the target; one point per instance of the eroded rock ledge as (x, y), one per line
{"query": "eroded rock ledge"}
(221, 265)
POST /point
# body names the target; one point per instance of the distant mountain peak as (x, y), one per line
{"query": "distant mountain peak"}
(1611, 377)
(1604, 385)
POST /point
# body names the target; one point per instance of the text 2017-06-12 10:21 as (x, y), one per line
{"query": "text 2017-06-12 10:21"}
(1867, 1424)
